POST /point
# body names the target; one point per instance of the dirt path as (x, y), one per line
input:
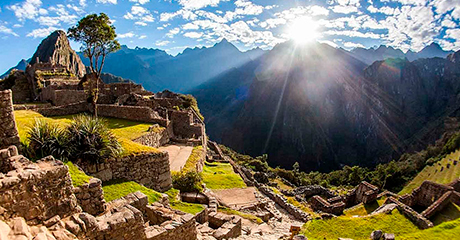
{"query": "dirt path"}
(237, 197)
(178, 155)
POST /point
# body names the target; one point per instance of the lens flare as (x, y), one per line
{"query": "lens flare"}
(303, 30)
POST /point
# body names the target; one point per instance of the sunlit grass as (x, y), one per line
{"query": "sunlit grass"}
(191, 208)
(124, 130)
(359, 227)
(438, 172)
(244, 215)
(364, 209)
(78, 177)
(119, 188)
(444, 231)
(221, 176)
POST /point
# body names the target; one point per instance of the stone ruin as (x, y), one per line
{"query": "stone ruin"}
(425, 201)
(8, 129)
(363, 193)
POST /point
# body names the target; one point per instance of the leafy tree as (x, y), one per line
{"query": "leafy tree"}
(97, 36)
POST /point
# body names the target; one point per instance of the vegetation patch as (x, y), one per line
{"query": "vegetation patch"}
(221, 176)
(363, 209)
(119, 188)
(443, 172)
(444, 231)
(193, 159)
(449, 213)
(192, 208)
(359, 227)
(78, 177)
(248, 216)
(124, 130)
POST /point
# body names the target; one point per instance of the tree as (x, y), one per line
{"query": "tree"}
(97, 36)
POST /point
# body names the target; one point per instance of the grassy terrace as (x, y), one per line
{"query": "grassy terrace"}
(192, 208)
(125, 130)
(438, 172)
(359, 227)
(221, 176)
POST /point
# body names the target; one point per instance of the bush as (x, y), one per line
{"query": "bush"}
(91, 140)
(187, 181)
(47, 139)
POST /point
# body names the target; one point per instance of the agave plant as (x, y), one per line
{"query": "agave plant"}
(48, 139)
(91, 140)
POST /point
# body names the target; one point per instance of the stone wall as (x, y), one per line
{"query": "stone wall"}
(438, 206)
(363, 193)
(149, 169)
(184, 126)
(69, 109)
(280, 200)
(90, 197)
(35, 191)
(156, 137)
(134, 113)
(8, 130)
(426, 194)
(410, 213)
(317, 203)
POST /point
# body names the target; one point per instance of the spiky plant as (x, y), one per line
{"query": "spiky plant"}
(91, 139)
(48, 139)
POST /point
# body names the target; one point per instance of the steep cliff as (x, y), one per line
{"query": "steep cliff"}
(56, 49)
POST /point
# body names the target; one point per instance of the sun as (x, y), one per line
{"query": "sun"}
(303, 30)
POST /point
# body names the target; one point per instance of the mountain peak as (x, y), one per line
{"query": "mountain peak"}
(56, 49)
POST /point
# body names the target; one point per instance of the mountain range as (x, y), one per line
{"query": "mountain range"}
(320, 106)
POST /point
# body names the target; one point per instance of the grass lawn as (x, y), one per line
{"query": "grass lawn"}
(444, 231)
(119, 188)
(221, 176)
(191, 208)
(78, 177)
(124, 130)
(193, 159)
(363, 209)
(359, 227)
(434, 173)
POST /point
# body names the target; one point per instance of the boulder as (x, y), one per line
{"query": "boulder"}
(376, 235)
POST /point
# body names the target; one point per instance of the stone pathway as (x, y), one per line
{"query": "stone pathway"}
(237, 197)
(178, 155)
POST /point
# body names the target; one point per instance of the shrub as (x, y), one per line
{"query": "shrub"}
(187, 181)
(47, 139)
(91, 140)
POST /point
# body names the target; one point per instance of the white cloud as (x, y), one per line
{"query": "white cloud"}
(143, 37)
(350, 33)
(173, 32)
(197, 4)
(285, 16)
(17, 25)
(352, 45)
(29, 9)
(41, 32)
(141, 15)
(8, 31)
(140, 1)
(185, 14)
(162, 43)
(63, 16)
(344, 9)
(82, 3)
(193, 34)
(107, 1)
(126, 35)
(453, 34)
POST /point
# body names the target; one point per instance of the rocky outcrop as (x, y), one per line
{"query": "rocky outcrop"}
(55, 49)
(8, 130)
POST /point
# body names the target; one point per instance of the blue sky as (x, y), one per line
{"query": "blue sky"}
(173, 25)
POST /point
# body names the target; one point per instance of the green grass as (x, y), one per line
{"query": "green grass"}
(444, 231)
(359, 227)
(248, 216)
(78, 177)
(191, 208)
(221, 176)
(193, 159)
(363, 209)
(451, 212)
(118, 188)
(434, 173)
(124, 130)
